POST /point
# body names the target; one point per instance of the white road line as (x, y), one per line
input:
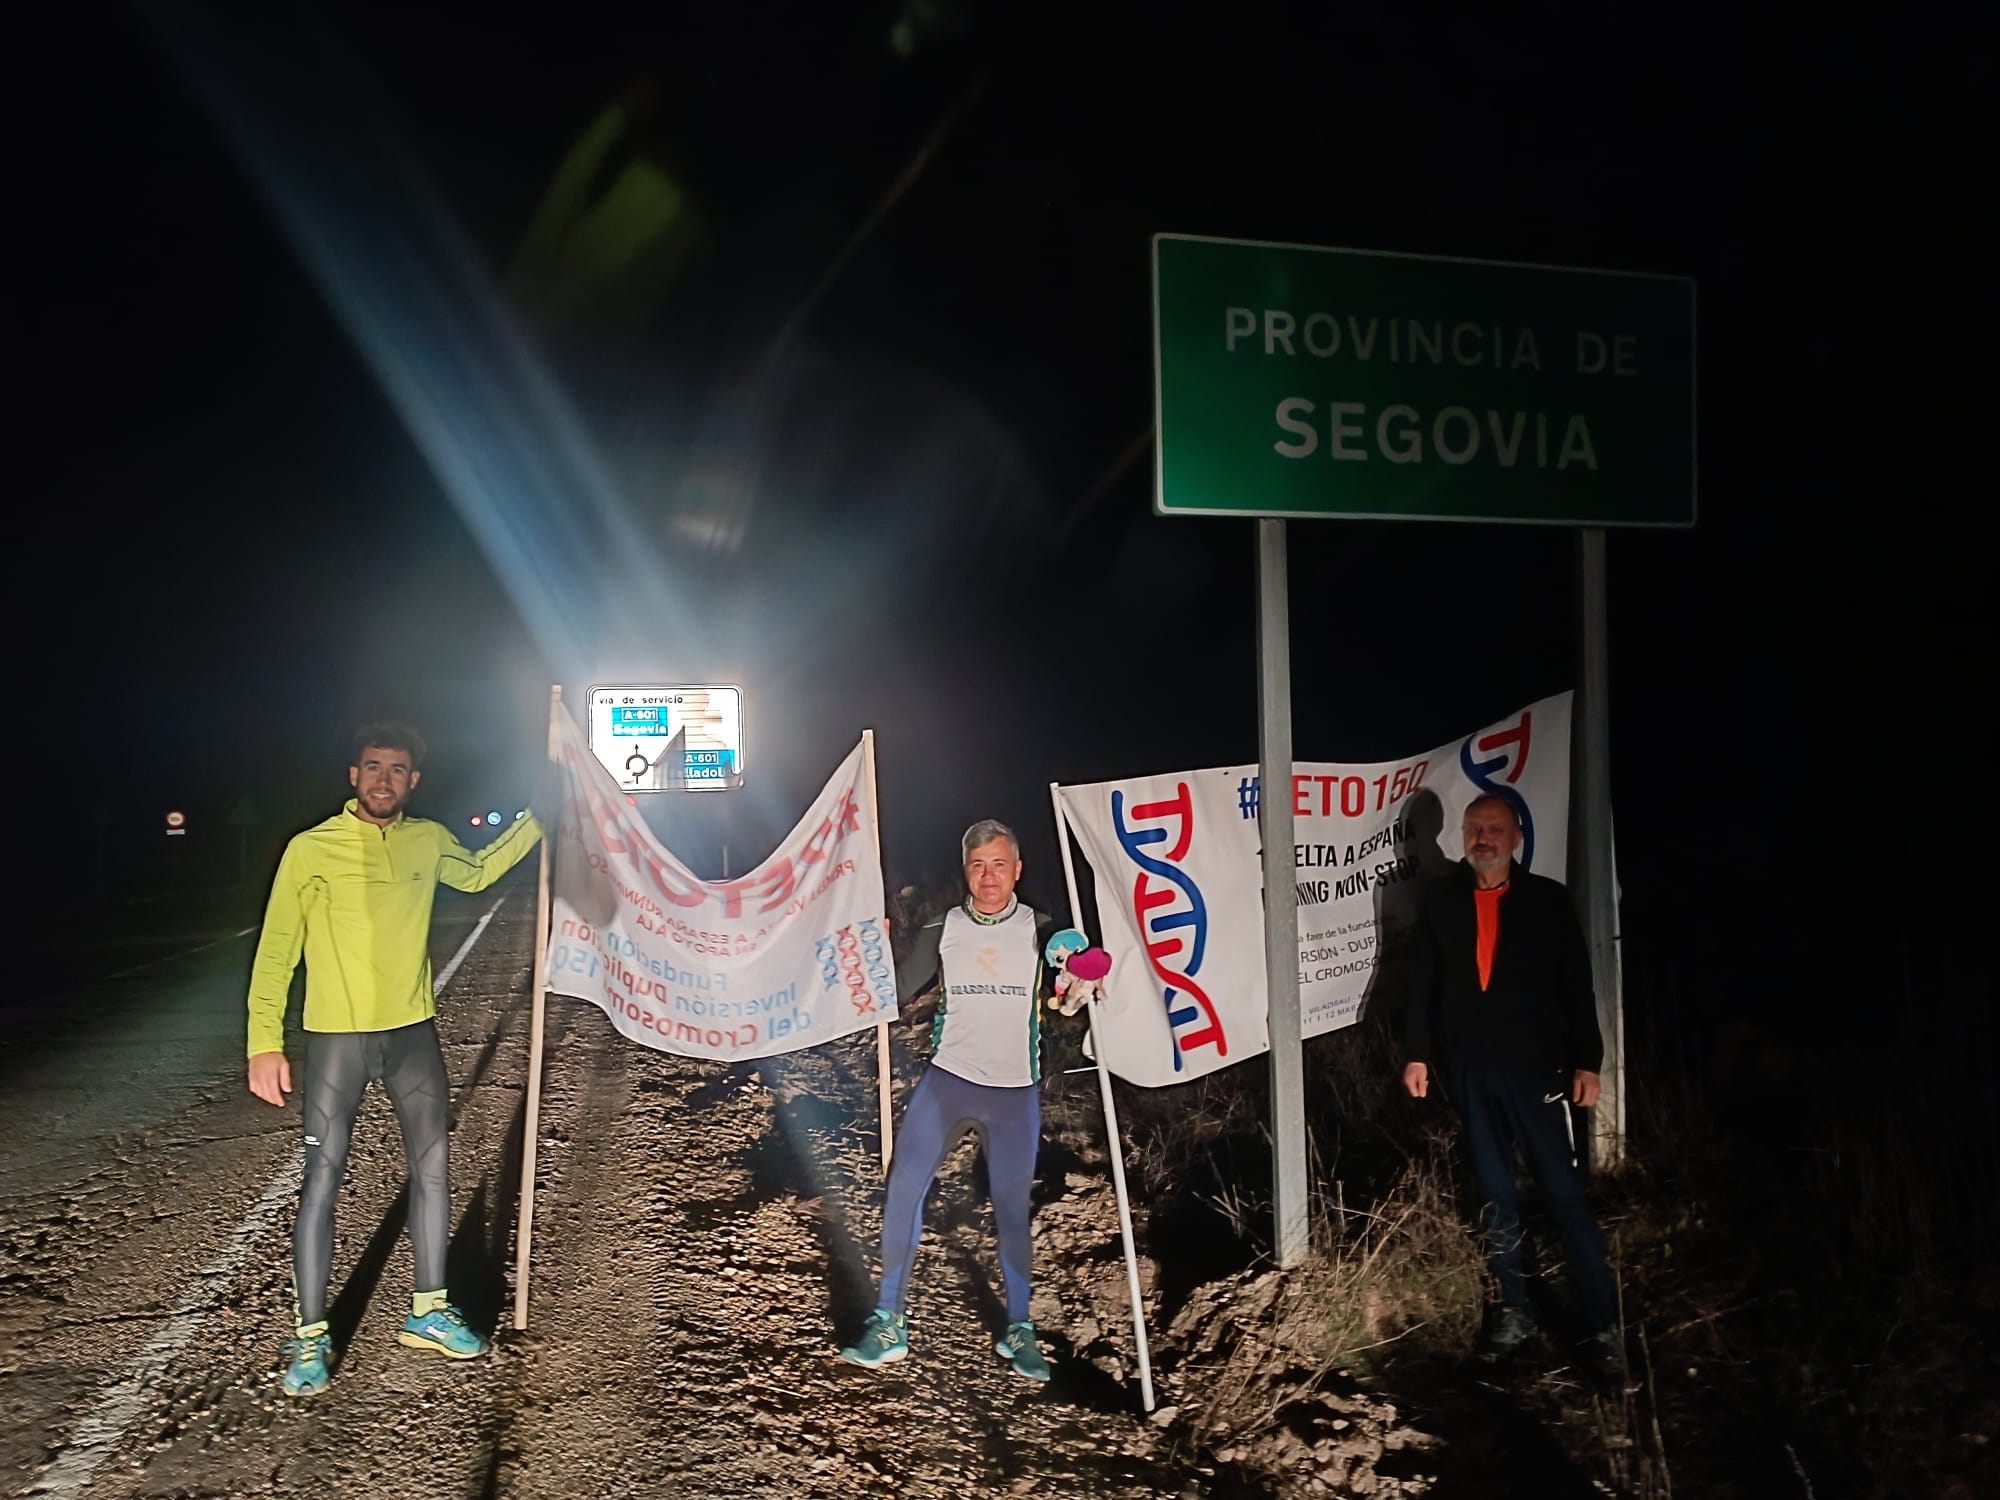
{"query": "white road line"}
(100, 1432)
(451, 968)
(154, 963)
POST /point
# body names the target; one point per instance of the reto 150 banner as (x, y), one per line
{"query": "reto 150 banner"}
(790, 955)
(1177, 862)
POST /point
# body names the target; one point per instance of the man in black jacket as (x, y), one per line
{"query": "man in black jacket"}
(1501, 1005)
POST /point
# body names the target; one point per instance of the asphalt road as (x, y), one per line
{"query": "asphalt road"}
(146, 1200)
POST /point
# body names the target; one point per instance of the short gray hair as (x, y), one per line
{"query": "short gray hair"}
(985, 831)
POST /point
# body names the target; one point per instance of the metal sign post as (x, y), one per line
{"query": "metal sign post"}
(1292, 1232)
(1593, 880)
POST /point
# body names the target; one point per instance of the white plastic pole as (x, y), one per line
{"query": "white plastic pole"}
(1110, 1125)
(531, 1127)
(884, 1078)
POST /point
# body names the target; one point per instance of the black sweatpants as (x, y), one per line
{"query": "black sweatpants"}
(339, 1067)
(1530, 1111)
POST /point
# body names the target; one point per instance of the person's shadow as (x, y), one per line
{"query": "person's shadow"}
(1396, 905)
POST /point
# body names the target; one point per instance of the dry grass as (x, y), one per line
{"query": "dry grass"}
(1272, 1370)
(1402, 1268)
(1402, 1272)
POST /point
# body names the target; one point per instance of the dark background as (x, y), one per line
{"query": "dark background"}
(892, 482)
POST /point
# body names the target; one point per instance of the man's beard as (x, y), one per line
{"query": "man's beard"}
(388, 814)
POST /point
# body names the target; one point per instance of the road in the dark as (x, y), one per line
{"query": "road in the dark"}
(145, 1194)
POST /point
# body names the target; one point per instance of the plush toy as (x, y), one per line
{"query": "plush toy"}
(1082, 980)
(1080, 970)
(1063, 946)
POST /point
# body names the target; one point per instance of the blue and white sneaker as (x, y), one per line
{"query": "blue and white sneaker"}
(310, 1369)
(443, 1331)
(884, 1339)
(1021, 1351)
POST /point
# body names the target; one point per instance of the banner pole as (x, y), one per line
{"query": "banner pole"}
(1110, 1124)
(531, 1126)
(884, 1077)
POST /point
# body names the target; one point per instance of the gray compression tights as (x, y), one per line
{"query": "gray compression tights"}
(339, 1066)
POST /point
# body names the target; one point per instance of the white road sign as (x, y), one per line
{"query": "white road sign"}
(669, 739)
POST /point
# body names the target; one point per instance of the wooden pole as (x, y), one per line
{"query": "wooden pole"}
(883, 1091)
(531, 1126)
(1110, 1125)
(884, 1077)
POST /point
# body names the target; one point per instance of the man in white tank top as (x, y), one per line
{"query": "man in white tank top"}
(984, 1075)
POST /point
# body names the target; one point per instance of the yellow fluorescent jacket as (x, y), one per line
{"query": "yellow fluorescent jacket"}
(355, 899)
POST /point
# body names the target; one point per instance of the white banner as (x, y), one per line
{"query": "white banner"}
(1177, 865)
(791, 955)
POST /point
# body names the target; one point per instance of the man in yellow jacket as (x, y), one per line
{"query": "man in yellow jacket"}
(353, 897)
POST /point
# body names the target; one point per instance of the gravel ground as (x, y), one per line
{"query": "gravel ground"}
(705, 1236)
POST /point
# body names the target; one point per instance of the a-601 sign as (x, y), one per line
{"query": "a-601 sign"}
(1294, 381)
(655, 737)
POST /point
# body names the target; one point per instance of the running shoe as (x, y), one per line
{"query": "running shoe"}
(443, 1330)
(884, 1339)
(1019, 1349)
(309, 1372)
(1509, 1330)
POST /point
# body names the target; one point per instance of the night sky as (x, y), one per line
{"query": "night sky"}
(891, 480)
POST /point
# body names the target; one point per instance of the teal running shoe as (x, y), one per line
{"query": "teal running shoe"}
(309, 1371)
(1020, 1350)
(885, 1338)
(443, 1331)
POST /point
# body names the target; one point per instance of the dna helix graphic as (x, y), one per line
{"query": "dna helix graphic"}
(1484, 774)
(881, 969)
(1172, 916)
(858, 962)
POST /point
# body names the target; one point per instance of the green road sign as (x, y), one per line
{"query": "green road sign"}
(1295, 381)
